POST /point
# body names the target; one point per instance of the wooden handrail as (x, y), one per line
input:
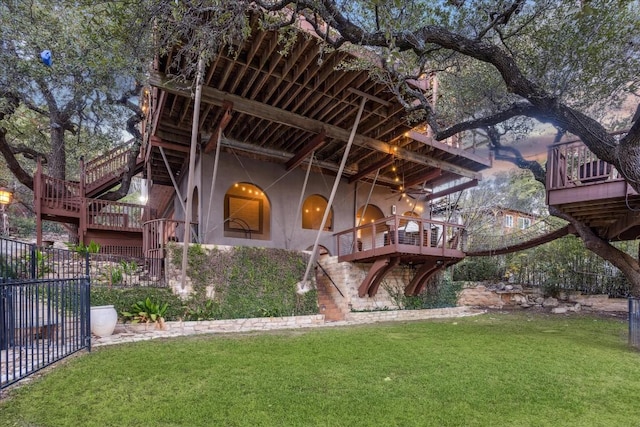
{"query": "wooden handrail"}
(107, 166)
(400, 230)
(572, 164)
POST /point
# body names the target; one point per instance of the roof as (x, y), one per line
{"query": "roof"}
(280, 108)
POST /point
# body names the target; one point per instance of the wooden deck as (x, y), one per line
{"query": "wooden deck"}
(406, 237)
(592, 191)
(71, 202)
(396, 240)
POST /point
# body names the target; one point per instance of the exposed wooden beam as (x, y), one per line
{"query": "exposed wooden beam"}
(224, 121)
(386, 161)
(278, 115)
(157, 142)
(311, 146)
(453, 189)
(631, 219)
(424, 139)
(371, 97)
(431, 175)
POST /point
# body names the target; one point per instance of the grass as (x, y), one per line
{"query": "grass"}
(493, 370)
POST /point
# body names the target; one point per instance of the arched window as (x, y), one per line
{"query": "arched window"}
(372, 214)
(247, 212)
(312, 212)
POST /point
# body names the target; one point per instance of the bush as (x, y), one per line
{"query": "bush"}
(125, 298)
(440, 292)
(248, 282)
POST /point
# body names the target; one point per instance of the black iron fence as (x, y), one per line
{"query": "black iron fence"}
(41, 322)
(27, 261)
(634, 322)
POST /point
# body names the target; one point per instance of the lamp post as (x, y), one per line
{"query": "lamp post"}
(5, 199)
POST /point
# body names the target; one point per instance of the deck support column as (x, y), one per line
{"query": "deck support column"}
(195, 125)
(314, 251)
(377, 272)
(424, 273)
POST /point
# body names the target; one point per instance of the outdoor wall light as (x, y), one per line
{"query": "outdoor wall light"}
(5, 196)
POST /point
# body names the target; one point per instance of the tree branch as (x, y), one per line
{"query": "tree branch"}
(515, 110)
(514, 155)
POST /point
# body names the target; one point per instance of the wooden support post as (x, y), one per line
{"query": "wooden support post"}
(192, 165)
(314, 251)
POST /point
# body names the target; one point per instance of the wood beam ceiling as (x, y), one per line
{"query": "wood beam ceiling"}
(278, 115)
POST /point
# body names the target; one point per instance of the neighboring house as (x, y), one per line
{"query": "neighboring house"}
(510, 220)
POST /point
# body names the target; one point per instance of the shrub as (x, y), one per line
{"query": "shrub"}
(124, 298)
(248, 282)
(440, 292)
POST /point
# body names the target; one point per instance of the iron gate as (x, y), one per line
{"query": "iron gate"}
(44, 308)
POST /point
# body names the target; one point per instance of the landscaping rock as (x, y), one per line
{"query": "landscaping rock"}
(550, 302)
(559, 310)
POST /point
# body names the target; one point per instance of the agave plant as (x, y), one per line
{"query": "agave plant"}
(146, 311)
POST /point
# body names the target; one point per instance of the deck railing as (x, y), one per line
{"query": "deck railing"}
(106, 167)
(61, 194)
(410, 234)
(155, 236)
(572, 164)
(108, 215)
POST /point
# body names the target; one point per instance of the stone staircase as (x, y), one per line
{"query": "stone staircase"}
(327, 294)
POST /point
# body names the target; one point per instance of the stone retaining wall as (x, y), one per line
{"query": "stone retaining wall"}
(293, 322)
(395, 315)
(227, 325)
(502, 295)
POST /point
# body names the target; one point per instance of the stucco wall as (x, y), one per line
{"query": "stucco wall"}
(283, 190)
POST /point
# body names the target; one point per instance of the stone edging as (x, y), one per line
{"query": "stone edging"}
(138, 332)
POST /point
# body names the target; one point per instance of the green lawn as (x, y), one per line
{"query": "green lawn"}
(492, 370)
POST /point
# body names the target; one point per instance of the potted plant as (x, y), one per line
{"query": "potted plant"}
(103, 320)
(147, 312)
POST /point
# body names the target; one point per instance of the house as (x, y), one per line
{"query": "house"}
(508, 220)
(272, 136)
(270, 143)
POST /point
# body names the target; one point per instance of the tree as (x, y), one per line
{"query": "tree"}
(87, 94)
(502, 67)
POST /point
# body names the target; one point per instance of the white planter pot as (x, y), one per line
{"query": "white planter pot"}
(103, 320)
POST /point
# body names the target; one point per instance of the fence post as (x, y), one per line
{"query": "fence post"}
(87, 260)
(32, 261)
(86, 315)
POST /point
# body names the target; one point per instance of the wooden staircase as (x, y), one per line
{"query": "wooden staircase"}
(104, 172)
(116, 226)
(327, 294)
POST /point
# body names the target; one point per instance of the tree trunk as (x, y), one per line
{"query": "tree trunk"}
(628, 265)
(57, 165)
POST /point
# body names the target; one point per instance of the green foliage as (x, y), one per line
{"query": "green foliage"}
(247, 282)
(440, 292)
(563, 264)
(125, 298)
(82, 249)
(202, 310)
(146, 311)
(478, 269)
(7, 269)
(23, 226)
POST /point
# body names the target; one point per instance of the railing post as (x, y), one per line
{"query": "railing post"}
(87, 266)
(37, 201)
(86, 315)
(32, 261)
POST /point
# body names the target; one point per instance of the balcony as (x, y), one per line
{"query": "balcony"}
(408, 238)
(592, 191)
